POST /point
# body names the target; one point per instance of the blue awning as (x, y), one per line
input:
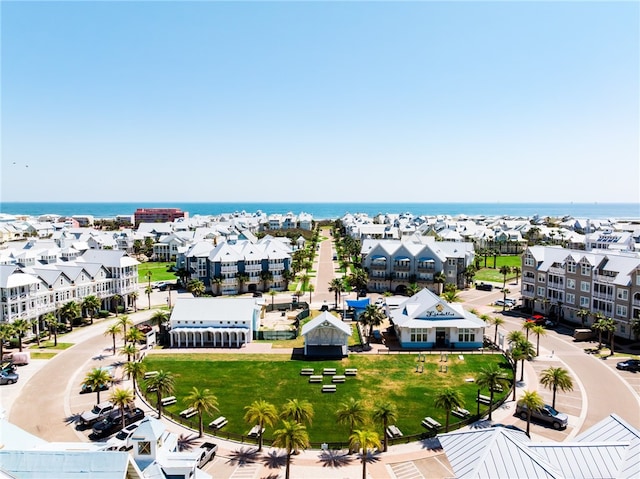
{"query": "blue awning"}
(358, 303)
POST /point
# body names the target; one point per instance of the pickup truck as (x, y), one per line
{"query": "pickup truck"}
(205, 453)
(99, 411)
(113, 422)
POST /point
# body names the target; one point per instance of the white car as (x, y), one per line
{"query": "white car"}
(120, 442)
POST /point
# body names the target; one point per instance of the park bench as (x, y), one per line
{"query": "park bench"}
(306, 371)
(431, 423)
(393, 431)
(218, 423)
(350, 372)
(168, 400)
(255, 431)
(338, 379)
(150, 374)
(461, 413)
(329, 371)
(483, 399)
(329, 388)
(189, 412)
(315, 379)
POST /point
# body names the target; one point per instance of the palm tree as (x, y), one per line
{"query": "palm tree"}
(448, 399)
(504, 271)
(135, 370)
(292, 436)
(371, 316)
(69, 312)
(505, 292)
(134, 295)
(528, 353)
(96, 379)
(159, 318)
(242, 280)
(262, 413)
(266, 277)
(129, 350)
(113, 330)
(149, 274)
(122, 399)
(385, 412)
(336, 286)
(91, 304)
(218, 280)
(497, 321)
(134, 336)
(515, 336)
(117, 299)
(450, 295)
(599, 325)
(440, 278)
(610, 328)
(517, 270)
(202, 400)
(124, 321)
(583, 314)
(554, 379)
(533, 402)
(413, 289)
(298, 411)
(6, 333)
(538, 330)
(352, 413)
(364, 440)
(516, 355)
(196, 287)
(492, 378)
(528, 326)
(311, 289)
(163, 384)
(148, 290)
(19, 328)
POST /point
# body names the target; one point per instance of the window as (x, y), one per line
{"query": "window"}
(541, 291)
(528, 260)
(541, 278)
(571, 267)
(638, 280)
(419, 335)
(144, 448)
(571, 283)
(585, 286)
(584, 301)
(466, 335)
(585, 269)
(571, 298)
(621, 311)
(623, 294)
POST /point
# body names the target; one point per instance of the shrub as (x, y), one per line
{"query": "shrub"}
(103, 313)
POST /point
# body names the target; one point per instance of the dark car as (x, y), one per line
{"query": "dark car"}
(7, 377)
(86, 388)
(629, 365)
(484, 287)
(113, 422)
(362, 293)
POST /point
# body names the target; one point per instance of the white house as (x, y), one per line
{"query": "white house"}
(214, 322)
(427, 321)
(326, 335)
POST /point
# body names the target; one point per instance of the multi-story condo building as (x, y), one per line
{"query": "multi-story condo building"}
(393, 264)
(561, 282)
(238, 266)
(41, 282)
(158, 215)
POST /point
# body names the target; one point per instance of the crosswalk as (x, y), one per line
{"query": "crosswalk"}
(247, 471)
(406, 470)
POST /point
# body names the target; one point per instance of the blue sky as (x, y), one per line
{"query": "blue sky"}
(320, 101)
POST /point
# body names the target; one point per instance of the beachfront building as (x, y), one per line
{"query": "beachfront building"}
(560, 282)
(326, 336)
(158, 215)
(214, 322)
(427, 321)
(393, 264)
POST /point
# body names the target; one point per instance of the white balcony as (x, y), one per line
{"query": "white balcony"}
(229, 269)
(252, 267)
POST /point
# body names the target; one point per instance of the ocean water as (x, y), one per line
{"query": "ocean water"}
(337, 210)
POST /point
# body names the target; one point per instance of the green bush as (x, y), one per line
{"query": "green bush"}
(103, 313)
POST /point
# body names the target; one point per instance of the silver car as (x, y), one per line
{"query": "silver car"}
(546, 414)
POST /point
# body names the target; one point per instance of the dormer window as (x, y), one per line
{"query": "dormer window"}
(144, 448)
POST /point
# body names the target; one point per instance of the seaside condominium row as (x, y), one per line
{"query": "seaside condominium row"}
(561, 282)
(37, 281)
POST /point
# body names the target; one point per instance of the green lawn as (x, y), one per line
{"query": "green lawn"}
(237, 380)
(490, 274)
(49, 345)
(159, 272)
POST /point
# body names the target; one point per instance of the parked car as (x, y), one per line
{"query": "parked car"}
(629, 365)
(8, 377)
(85, 388)
(362, 293)
(120, 442)
(537, 319)
(484, 287)
(546, 415)
(113, 422)
(161, 285)
(98, 412)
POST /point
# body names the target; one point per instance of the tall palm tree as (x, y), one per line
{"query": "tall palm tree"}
(450, 295)
(515, 336)
(134, 336)
(440, 278)
(129, 350)
(69, 312)
(610, 328)
(538, 330)
(351, 412)
(148, 290)
(113, 330)
(196, 287)
(336, 285)
(273, 293)
(266, 277)
(91, 304)
(298, 411)
(504, 271)
(96, 379)
(124, 321)
(527, 326)
(554, 379)
(262, 413)
(492, 378)
(6, 333)
(135, 370)
(122, 399)
(599, 325)
(384, 412)
(134, 295)
(364, 440)
(202, 400)
(517, 270)
(163, 384)
(371, 316)
(528, 353)
(448, 399)
(516, 355)
(292, 436)
(505, 292)
(117, 299)
(497, 321)
(583, 314)
(160, 318)
(533, 402)
(19, 328)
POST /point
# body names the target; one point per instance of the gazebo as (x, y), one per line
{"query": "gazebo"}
(326, 336)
